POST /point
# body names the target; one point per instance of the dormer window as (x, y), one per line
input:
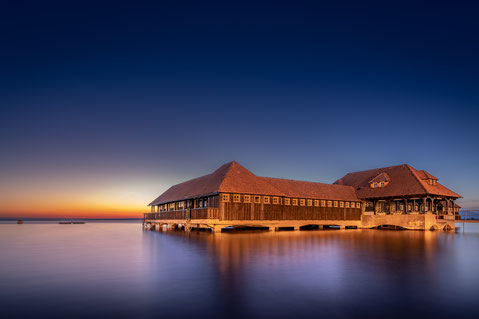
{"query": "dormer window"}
(381, 180)
(428, 178)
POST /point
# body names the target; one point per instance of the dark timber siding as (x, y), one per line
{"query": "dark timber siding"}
(260, 211)
(217, 209)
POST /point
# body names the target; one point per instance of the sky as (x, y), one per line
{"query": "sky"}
(104, 105)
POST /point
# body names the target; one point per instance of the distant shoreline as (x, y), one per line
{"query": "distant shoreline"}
(73, 219)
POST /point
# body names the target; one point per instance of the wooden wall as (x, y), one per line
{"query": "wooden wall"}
(255, 211)
(259, 211)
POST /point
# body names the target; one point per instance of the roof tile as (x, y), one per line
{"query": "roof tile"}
(234, 178)
(405, 181)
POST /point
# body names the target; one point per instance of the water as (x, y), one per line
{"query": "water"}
(117, 270)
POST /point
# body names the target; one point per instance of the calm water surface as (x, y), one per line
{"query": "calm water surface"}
(118, 270)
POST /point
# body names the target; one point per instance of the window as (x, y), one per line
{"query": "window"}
(358, 205)
(382, 184)
(266, 199)
(330, 203)
(309, 202)
(247, 198)
(236, 198)
(295, 202)
(275, 200)
(172, 206)
(346, 204)
(335, 203)
(323, 203)
(181, 204)
(302, 202)
(352, 204)
(287, 201)
(375, 185)
(225, 197)
(257, 199)
(316, 202)
(341, 204)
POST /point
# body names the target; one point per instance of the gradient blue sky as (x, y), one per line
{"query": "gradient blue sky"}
(105, 105)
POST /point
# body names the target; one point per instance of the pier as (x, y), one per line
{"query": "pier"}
(427, 221)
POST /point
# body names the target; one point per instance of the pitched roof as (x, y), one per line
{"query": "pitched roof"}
(292, 188)
(383, 177)
(208, 184)
(425, 175)
(234, 178)
(405, 180)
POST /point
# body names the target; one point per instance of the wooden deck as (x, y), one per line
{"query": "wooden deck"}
(273, 225)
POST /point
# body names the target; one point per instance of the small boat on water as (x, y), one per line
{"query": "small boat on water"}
(19, 221)
(70, 222)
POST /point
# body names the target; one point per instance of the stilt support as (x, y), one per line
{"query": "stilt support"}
(216, 229)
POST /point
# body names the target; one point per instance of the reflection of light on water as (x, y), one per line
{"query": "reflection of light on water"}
(118, 269)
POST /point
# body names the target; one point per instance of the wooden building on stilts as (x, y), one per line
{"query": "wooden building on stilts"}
(232, 196)
(403, 196)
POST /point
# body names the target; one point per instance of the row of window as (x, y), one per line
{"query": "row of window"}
(432, 182)
(376, 185)
(198, 203)
(236, 198)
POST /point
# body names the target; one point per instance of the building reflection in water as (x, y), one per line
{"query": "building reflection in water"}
(335, 272)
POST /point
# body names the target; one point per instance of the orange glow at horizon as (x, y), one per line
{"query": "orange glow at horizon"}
(81, 197)
(69, 208)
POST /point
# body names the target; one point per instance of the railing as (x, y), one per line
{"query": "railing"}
(468, 215)
(193, 213)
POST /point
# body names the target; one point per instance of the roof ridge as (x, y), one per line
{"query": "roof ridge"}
(295, 180)
(413, 171)
(377, 168)
(226, 166)
(229, 172)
